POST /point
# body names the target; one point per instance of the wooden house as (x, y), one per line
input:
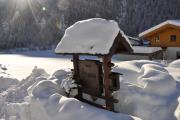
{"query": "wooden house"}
(165, 35)
(94, 37)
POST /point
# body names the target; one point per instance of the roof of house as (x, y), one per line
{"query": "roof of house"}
(168, 22)
(93, 36)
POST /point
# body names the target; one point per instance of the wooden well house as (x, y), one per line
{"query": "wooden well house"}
(95, 37)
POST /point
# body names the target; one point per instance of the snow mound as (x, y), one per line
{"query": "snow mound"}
(45, 88)
(59, 107)
(131, 69)
(7, 82)
(175, 64)
(147, 91)
(156, 80)
(39, 97)
(177, 111)
(173, 69)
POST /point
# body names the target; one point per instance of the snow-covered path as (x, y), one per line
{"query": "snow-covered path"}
(21, 65)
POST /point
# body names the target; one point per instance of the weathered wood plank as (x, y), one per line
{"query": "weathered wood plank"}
(107, 81)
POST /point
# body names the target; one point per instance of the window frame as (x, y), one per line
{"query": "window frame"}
(173, 38)
(157, 38)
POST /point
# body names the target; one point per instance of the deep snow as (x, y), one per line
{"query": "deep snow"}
(39, 97)
(149, 90)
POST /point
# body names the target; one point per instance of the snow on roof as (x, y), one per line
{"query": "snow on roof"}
(145, 50)
(92, 36)
(134, 38)
(171, 22)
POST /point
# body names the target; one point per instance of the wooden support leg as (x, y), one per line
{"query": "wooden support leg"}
(107, 82)
(76, 74)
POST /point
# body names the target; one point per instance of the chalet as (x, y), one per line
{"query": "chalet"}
(94, 37)
(165, 35)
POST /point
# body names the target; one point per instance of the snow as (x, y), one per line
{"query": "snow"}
(149, 90)
(175, 64)
(21, 64)
(174, 69)
(41, 99)
(92, 36)
(177, 111)
(146, 50)
(6, 80)
(171, 22)
(59, 107)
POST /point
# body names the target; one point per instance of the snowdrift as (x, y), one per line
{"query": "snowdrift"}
(149, 90)
(39, 97)
(6, 80)
(177, 112)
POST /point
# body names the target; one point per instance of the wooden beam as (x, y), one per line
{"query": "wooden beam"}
(76, 66)
(107, 82)
(76, 74)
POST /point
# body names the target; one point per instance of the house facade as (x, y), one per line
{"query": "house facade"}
(165, 35)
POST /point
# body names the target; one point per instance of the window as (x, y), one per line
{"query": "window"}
(157, 38)
(173, 38)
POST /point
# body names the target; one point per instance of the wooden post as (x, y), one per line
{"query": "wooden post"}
(107, 82)
(76, 64)
(150, 57)
(76, 74)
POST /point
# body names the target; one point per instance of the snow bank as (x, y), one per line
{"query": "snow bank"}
(147, 91)
(45, 88)
(39, 97)
(6, 80)
(177, 111)
(175, 64)
(156, 80)
(58, 107)
(174, 69)
(131, 69)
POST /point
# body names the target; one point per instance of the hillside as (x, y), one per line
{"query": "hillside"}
(41, 23)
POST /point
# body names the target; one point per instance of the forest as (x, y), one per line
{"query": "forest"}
(41, 23)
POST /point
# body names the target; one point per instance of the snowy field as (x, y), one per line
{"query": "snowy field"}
(149, 90)
(21, 64)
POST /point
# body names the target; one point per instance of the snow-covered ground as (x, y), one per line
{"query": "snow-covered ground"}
(21, 64)
(149, 90)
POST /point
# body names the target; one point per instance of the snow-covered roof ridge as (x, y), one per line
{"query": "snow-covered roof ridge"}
(91, 36)
(171, 22)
